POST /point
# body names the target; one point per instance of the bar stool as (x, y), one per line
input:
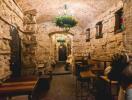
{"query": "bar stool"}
(90, 75)
(84, 82)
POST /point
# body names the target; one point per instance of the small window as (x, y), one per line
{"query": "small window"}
(88, 35)
(99, 27)
(119, 24)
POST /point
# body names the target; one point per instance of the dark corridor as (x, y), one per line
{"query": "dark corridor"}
(62, 52)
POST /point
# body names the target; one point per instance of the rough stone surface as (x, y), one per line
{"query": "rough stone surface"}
(128, 27)
(29, 43)
(46, 44)
(10, 14)
(84, 11)
(103, 48)
(43, 49)
(38, 47)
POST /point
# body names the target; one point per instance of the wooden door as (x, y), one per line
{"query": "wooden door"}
(62, 52)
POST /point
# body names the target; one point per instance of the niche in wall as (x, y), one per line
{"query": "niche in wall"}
(119, 21)
(99, 27)
(88, 35)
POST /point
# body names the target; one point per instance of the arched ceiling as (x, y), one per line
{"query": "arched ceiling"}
(83, 10)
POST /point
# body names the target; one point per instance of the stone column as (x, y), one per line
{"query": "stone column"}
(29, 43)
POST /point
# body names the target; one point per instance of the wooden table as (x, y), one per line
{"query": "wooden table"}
(97, 71)
(87, 74)
(18, 86)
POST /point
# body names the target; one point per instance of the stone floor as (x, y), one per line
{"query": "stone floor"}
(61, 69)
(62, 86)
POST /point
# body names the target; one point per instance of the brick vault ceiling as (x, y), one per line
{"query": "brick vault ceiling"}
(83, 10)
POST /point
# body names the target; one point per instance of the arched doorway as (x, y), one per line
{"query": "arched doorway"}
(62, 52)
(61, 39)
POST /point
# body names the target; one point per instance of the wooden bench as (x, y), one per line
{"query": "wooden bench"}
(18, 86)
(30, 86)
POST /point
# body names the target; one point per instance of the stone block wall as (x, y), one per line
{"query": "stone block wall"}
(46, 47)
(104, 48)
(10, 14)
(79, 45)
(29, 43)
(44, 42)
(128, 24)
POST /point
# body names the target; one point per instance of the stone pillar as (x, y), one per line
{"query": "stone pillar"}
(29, 43)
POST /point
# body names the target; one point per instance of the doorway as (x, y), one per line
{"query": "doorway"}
(15, 52)
(62, 52)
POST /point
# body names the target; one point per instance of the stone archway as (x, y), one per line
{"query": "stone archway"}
(61, 44)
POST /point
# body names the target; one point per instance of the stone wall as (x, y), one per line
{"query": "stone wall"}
(128, 24)
(79, 45)
(46, 46)
(44, 42)
(10, 15)
(104, 48)
(29, 54)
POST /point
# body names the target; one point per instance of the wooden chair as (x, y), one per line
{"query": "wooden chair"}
(84, 82)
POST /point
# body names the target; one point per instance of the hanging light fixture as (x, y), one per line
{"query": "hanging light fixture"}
(65, 21)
